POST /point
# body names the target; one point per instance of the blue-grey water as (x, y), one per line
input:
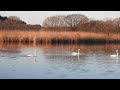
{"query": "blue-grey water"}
(57, 62)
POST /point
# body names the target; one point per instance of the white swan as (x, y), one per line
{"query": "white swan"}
(76, 54)
(115, 55)
(34, 55)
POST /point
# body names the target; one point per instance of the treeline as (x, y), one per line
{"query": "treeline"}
(71, 22)
(79, 22)
(15, 23)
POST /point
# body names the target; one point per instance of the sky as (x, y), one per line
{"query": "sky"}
(37, 17)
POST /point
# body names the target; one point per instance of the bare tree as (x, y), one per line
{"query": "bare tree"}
(54, 21)
(74, 20)
(108, 21)
(116, 22)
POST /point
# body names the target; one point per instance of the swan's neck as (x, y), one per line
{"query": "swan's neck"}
(78, 52)
(117, 53)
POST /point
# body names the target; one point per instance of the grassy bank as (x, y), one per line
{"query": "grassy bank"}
(54, 37)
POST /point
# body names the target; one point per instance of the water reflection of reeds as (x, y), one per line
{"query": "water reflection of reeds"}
(48, 48)
(83, 48)
(60, 52)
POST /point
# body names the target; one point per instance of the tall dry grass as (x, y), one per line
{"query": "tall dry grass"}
(55, 37)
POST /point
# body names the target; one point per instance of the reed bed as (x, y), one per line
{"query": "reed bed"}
(57, 37)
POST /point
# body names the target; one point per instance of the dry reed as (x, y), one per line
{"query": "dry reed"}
(55, 37)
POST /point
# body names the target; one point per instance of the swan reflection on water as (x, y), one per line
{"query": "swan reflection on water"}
(14, 54)
(32, 55)
(115, 56)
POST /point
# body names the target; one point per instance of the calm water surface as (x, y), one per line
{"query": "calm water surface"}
(56, 62)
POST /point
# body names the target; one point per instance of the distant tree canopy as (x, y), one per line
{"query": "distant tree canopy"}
(116, 22)
(72, 21)
(14, 18)
(98, 26)
(79, 22)
(54, 21)
(14, 22)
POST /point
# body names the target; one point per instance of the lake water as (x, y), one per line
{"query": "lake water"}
(56, 62)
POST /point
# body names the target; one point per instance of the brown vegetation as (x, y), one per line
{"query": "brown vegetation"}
(71, 21)
(54, 37)
(15, 23)
(79, 22)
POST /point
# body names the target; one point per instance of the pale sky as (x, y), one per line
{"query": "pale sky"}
(37, 17)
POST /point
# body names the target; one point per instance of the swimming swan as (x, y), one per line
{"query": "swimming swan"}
(115, 55)
(34, 55)
(76, 54)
